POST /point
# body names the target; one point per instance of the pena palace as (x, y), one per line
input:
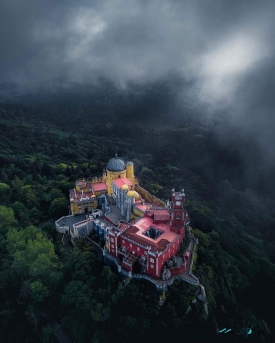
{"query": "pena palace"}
(143, 236)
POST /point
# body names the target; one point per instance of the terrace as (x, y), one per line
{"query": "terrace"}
(63, 224)
(114, 216)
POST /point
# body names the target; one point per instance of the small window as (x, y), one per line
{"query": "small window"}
(152, 260)
(178, 216)
(112, 240)
(112, 245)
(123, 241)
(113, 250)
(138, 249)
(152, 266)
(131, 245)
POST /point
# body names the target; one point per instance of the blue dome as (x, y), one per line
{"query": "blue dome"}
(116, 164)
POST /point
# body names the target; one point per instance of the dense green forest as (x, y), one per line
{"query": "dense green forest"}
(49, 289)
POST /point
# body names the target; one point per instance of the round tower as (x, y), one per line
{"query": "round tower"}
(130, 171)
(116, 168)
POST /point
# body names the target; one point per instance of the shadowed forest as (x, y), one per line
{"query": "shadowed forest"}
(49, 288)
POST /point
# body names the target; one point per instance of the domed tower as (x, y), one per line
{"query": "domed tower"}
(125, 188)
(116, 168)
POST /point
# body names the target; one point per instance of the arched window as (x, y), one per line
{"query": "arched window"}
(178, 216)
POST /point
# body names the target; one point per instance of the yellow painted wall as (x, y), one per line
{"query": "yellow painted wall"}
(78, 188)
(75, 207)
(137, 212)
(130, 173)
(113, 176)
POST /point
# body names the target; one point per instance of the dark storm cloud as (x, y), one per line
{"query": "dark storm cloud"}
(130, 40)
(226, 48)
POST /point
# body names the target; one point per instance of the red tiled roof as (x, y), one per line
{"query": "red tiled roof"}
(163, 216)
(162, 244)
(88, 185)
(159, 215)
(80, 183)
(141, 207)
(122, 226)
(100, 186)
(77, 196)
(133, 229)
(122, 181)
(143, 240)
(136, 233)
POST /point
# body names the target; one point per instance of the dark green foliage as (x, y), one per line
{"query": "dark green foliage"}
(58, 207)
(233, 218)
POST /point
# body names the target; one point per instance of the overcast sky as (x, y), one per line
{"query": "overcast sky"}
(226, 47)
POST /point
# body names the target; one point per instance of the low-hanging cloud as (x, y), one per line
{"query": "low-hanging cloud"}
(223, 47)
(131, 40)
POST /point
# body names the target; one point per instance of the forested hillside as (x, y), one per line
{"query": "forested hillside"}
(231, 203)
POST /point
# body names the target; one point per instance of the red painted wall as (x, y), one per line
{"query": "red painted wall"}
(157, 262)
(178, 270)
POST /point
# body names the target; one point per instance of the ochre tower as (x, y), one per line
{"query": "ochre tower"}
(130, 172)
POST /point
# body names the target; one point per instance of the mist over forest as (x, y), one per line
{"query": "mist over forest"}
(185, 90)
(163, 108)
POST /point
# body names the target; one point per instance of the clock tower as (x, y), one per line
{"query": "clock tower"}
(177, 212)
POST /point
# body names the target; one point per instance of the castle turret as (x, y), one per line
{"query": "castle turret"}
(177, 212)
(130, 171)
(129, 202)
